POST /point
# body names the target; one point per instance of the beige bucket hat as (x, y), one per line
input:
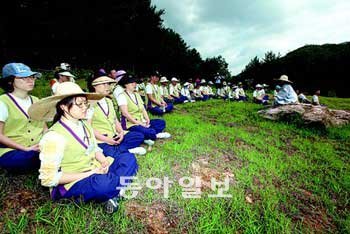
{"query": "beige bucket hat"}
(102, 80)
(45, 109)
(284, 78)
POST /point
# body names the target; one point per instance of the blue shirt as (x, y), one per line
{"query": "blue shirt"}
(286, 95)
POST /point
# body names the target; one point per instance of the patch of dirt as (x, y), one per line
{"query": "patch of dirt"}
(22, 201)
(158, 217)
(200, 168)
(240, 143)
(250, 128)
(233, 160)
(310, 212)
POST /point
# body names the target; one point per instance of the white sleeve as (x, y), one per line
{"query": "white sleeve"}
(161, 91)
(149, 89)
(90, 113)
(54, 87)
(4, 114)
(121, 100)
(171, 89)
(52, 147)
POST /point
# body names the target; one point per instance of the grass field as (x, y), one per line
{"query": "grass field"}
(283, 178)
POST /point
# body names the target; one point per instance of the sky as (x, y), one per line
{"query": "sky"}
(239, 30)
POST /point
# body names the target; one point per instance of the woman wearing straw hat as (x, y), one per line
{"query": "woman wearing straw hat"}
(164, 90)
(107, 129)
(259, 95)
(134, 114)
(286, 95)
(72, 164)
(174, 91)
(204, 89)
(19, 135)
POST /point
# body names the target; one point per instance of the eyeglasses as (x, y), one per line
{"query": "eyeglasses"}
(82, 104)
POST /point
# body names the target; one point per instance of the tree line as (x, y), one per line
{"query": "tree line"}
(123, 34)
(311, 67)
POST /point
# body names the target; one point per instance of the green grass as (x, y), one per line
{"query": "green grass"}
(298, 180)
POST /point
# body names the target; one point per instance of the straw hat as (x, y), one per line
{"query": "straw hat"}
(174, 79)
(284, 78)
(102, 80)
(163, 79)
(45, 109)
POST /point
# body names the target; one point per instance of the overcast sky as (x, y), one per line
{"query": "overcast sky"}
(240, 29)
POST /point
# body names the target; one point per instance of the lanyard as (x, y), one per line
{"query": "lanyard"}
(75, 135)
(106, 113)
(18, 106)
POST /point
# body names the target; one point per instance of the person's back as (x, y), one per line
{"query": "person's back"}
(286, 95)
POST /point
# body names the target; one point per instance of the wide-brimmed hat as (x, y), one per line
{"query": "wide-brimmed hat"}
(174, 79)
(18, 70)
(258, 86)
(102, 80)
(45, 109)
(66, 73)
(284, 78)
(163, 79)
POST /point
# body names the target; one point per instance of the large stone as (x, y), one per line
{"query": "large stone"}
(309, 114)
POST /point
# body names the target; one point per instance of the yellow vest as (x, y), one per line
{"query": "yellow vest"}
(76, 157)
(156, 95)
(18, 127)
(104, 122)
(134, 109)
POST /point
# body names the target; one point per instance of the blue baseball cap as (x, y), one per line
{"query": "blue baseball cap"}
(18, 70)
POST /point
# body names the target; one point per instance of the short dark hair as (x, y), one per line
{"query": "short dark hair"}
(6, 84)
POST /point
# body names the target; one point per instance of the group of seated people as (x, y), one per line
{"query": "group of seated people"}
(88, 148)
(284, 94)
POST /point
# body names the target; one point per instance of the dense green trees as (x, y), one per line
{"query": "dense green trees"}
(311, 67)
(126, 34)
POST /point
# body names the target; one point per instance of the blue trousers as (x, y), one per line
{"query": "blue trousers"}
(158, 111)
(157, 126)
(180, 99)
(205, 97)
(20, 161)
(100, 187)
(131, 140)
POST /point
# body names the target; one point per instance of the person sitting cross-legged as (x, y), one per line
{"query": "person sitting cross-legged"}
(154, 101)
(286, 94)
(72, 165)
(134, 115)
(110, 135)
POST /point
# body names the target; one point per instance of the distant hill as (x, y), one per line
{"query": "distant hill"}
(325, 67)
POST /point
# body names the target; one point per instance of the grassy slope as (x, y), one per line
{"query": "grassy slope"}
(283, 178)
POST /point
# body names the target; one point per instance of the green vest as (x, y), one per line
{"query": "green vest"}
(135, 110)
(18, 127)
(103, 123)
(156, 95)
(76, 158)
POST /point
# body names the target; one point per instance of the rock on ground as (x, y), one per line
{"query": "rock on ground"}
(309, 114)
